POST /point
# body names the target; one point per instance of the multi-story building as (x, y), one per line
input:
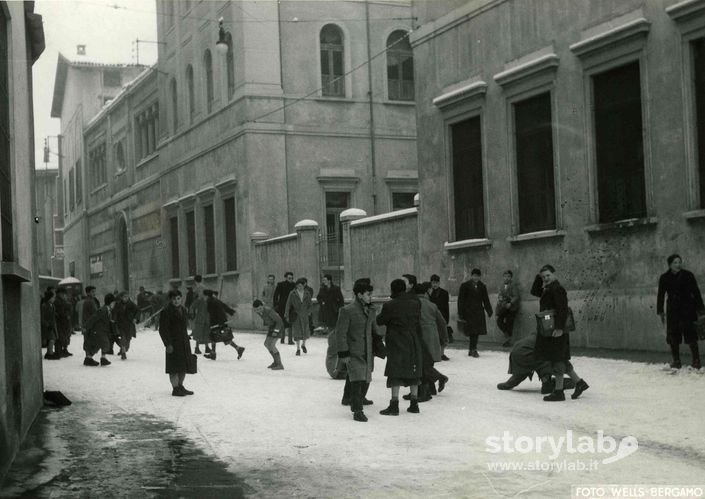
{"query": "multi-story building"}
(304, 110)
(48, 223)
(81, 90)
(568, 133)
(21, 387)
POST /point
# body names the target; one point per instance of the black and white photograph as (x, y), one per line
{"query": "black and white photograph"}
(352, 249)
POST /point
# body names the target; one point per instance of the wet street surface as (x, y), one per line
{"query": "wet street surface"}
(80, 451)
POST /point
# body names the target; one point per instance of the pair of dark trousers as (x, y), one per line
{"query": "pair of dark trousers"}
(347, 390)
(358, 389)
(473, 341)
(505, 322)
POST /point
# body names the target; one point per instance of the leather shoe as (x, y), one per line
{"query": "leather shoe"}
(444, 357)
(360, 416)
(366, 402)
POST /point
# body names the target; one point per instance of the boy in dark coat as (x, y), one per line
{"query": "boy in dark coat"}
(555, 349)
(281, 295)
(64, 322)
(472, 299)
(98, 329)
(275, 327)
(218, 313)
(126, 314)
(353, 330)
(401, 316)
(441, 299)
(682, 306)
(48, 319)
(173, 329)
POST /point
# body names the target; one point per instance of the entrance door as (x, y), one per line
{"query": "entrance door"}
(336, 203)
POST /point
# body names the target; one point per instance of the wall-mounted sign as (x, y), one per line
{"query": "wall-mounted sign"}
(97, 266)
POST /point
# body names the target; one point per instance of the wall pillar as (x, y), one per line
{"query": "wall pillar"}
(307, 231)
(346, 218)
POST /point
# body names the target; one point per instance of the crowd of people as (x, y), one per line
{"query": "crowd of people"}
(415, 318)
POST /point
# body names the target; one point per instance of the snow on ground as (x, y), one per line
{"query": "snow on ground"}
(287, 434)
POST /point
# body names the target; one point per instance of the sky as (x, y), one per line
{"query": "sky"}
(107, 32)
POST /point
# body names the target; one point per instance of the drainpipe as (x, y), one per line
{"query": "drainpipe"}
(284, 124)
(373, 160)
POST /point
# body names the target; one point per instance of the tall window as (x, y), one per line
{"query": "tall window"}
(174, 105)
(72, 191)
(698, 51)
(400, 67)
(99, 175)
(231, 65)
(534, 156)
(467, 180)
(174, 236)
(619, 146)
(79, 184)
(208, 69)
(332, 80)
(8, 252)
(230, 234)
(191, 93)
(146, 131)
(120, 160)
(209, 229)
(191, 242)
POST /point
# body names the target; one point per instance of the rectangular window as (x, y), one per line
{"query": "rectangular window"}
(79, 184)
(191, 241)
(402, 200)
(467, 180)
(698, 51)
(6, 229)
(230, 234)
(72, 191)
(209, 228)
(174, 236)
(619, 144)
(534, 156)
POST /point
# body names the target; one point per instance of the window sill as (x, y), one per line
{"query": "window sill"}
(210, 276)
(467, 243)
(694, 215)
(333, 99)
(622, 224)
(13, 271)
(231, 273)
(146, 159)
(98, 189)
(392, 102)
(120, 173)
(533, 236)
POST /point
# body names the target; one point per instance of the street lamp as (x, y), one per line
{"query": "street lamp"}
(222, 44)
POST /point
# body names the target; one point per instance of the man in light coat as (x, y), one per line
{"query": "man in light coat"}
(354, 329)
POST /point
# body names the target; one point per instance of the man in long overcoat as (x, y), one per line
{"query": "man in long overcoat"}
(330, 301)
(173, 330)
(508, 299)
(48, 321)
(683, 302)
(353, 330)
(281, 295)
(64, 322)
(473, 302)
(401, 315)
(297, 311)
(201, 322)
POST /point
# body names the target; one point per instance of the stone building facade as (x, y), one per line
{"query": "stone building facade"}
(287, 122)
(568, 133)
(21, 386)
(49, 223)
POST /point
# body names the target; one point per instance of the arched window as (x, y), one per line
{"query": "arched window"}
(208, 69)
(332, 65)
(191, 93)
(400, 67)
(230, 59)
(174, 105)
